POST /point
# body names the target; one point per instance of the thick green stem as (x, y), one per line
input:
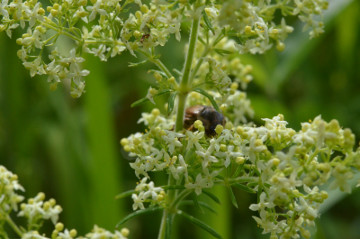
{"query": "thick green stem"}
(185, 84)
(180, 111)
(184, 88)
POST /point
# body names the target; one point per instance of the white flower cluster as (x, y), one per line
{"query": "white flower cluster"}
(114, 28)
(284, 167)
(9, 184)
(36, 210)
(147, 192)
(255, 23)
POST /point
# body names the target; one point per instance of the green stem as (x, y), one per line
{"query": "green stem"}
(184, 87)
(180, 111)
(167, 213)
(180, 197)
(157, 62)
(206, 52)
(162, 231)
(13, 225)
(185, 84)
(61, 30)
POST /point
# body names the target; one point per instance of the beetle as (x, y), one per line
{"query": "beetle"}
(207, 115)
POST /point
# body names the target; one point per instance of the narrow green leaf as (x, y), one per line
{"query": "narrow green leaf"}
(202, 41)
(157, 71)
(138, 213)
(179, 73)
(171, 102)
(125, 194)
(139, 102)
(145, 99)
(232, 197)
(201, 204)
(238, 170)
(208, 22)
(212, 196)
(222, 52)
(199, 223)
(134, 64)
(196, 202)
(244, 188)
(207, 95)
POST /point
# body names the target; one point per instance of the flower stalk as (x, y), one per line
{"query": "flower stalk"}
(185, 83)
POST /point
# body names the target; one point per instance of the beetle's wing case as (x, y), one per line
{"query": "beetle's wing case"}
(191, 115)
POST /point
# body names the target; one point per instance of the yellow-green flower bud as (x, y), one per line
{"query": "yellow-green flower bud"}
(228, 125)
(137, 34)
(280, 46)
(41, 196)
(155, 112)
(46, 206)
(41, 11)
(219, 128)
(73, 233)
(223, 147)
(240, 160)
(52, 202)
(59, 227)
(127, 148)
(144, 8)
(125, 232)
(124, 141)
(275, 161)
(248, 30)
(54, 12)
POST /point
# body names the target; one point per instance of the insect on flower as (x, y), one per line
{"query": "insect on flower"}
(207, 115)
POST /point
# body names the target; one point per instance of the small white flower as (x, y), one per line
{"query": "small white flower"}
(33, 235)
(96, 9)
(138, 202)
(263, 204)
(199, 184)
(152, 191)
(36, 67)
(172, 139)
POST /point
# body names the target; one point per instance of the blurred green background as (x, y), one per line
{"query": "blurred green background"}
(69, 148)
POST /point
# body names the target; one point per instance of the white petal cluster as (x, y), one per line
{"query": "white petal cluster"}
(98, 232)
(282, 166)
(147, 192)
(36, 210)
(9, 198)
(252, 26)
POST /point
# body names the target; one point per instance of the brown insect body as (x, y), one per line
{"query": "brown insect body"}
(207, 115)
